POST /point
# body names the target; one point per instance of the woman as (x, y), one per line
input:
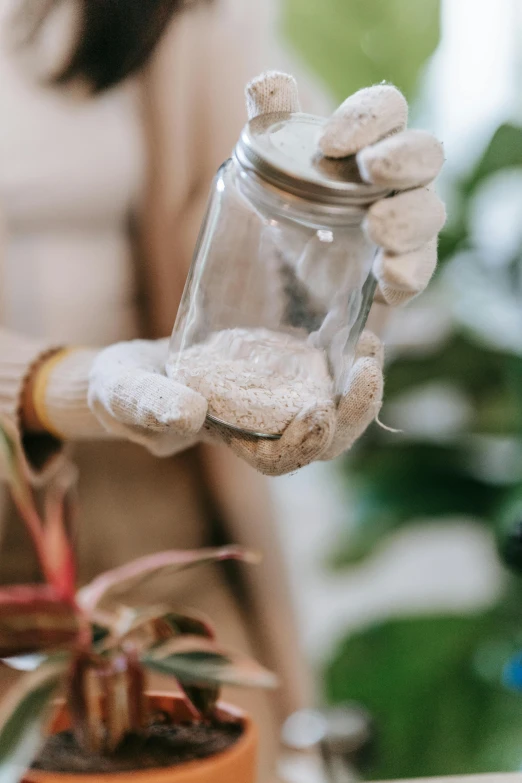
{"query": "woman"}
(74, 165)
(75, 169)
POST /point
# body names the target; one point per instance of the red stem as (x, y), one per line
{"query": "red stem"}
(35, 530)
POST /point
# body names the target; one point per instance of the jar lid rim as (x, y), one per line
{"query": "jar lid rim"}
(282, 149)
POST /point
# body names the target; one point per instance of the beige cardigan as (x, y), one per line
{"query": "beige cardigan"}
(193, 112)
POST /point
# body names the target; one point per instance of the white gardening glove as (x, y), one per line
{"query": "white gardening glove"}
(323, 431)
(371, 125)
(128, 390)
(404, 227)
(131, 396)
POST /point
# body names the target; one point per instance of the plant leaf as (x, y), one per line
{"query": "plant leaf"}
(24, 663)
(22, 717)
(434, 688)
(60, 560)
(110, 587)
(124, 694)
(163, 627)
(50, 541)
(204, 700)
(33, 619)
(84, 699)
(191, 624)
(512, 674)
(18, 479)
(404, 482)
(14, 464)
(146, 627)
(504, 151)
(196, 661)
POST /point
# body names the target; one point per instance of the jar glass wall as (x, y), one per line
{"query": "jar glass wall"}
(277, 296)
(276, 299)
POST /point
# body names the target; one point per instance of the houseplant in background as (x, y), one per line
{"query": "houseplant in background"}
(95, 646)
(441, 688)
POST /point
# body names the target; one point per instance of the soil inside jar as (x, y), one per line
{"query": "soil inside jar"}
(162, 745)
(255, 379)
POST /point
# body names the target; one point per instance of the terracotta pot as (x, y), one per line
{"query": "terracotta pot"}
(237, 764)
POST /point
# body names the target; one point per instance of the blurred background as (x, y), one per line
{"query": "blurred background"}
(403, 556)
(398, 553)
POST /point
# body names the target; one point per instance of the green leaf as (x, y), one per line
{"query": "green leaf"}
(404, 483)
(509, 530)
(23, 714)
(465, 363)
(204, 700)
(504, 151)
(484, 375)
(196, 661)
(434, 688)
(354, 43)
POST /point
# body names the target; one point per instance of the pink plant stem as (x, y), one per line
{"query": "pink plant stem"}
(35, 530)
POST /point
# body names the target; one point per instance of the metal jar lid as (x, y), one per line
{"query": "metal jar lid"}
(282, 150)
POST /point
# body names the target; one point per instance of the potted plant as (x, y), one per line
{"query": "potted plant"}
(92, 647)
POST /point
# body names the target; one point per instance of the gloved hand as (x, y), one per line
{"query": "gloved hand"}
(370, 124)
(323, 431)
(128, 391)
(131, 396)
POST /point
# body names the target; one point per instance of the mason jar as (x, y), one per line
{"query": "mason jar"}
(281, 283)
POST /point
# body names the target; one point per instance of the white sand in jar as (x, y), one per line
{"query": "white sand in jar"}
(255, 379)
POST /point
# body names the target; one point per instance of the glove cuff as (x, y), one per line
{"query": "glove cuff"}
(60, 396)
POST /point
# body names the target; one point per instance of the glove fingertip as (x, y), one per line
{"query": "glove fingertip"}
(364, 118)
(370, 346)
(405, 222)
(303, 441)
(154, 403)
(270, 92)
(359, 405)
(402, 277)
(362, 399)
(405, 160)
(187, 412)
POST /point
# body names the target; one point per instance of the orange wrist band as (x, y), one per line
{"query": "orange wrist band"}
(40, 382)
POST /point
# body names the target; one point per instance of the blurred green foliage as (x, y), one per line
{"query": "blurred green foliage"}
(350, 44)
(406, 483)
(437, 711)
(432, 683)
(399, 481)
(434, 688)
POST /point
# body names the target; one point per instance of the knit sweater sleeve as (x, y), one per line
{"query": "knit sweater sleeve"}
(18, 356)
(67, 412)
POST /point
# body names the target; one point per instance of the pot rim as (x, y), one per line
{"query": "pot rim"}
(196, 768)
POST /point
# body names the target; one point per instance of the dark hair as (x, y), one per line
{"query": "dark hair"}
(116, 38)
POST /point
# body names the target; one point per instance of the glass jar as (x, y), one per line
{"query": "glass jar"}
(281, 283)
